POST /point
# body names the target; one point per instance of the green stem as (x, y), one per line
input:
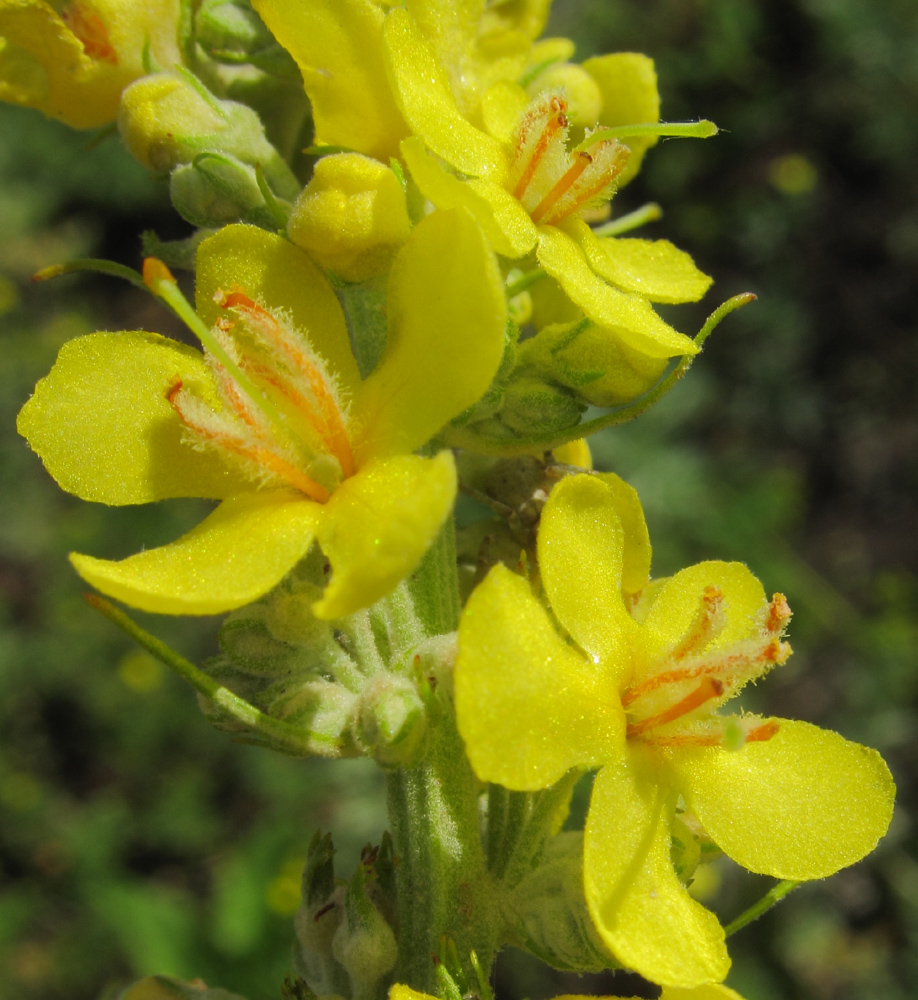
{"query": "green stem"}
(294, 740)
(625, 223)
(442, 881)
(774, 895)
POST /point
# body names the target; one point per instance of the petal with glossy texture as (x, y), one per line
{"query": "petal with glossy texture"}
(280, 276)
(640, 909)
(677, 602)
(652, 268)
(505, 222)
(428, 105)
(377, 526)
(101, 423)
(580, 546)
(234, 556)
(637, 551)
(527, 705)
(628, 84)
(711, 991)
(630, 316)
(447, 313)
(338, 47)
(801, 805)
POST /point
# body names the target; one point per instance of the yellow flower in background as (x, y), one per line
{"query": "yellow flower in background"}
(635, 692)
(72, 60)
(710, 992)
(275, 422)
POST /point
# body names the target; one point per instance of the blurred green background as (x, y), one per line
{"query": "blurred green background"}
(134, 839)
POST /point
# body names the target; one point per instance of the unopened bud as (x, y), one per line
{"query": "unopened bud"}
(592, 361)
(685, 850)
(231, 31)
(352, 217)
(531, 406)
(547, 912)
(364, 943)
(217, 189)
(391, 720)
(168, 119)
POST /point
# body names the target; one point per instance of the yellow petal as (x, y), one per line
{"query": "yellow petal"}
(676, 603)
(103, 427)
(338, 46)
(280, 276)
(799, 806)
(640, 908)
(447, 313)
(628, 84)
(505, 222)
(398, 991)
(652, 268)
(501, 109)
(637, 551)
(580, 545)
(630, 316)
(528, 707)
(236, 554)
(428, 105)
(377, 526)
(712, 991)
(78, 80)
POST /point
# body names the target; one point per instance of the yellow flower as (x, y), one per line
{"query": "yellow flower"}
(275, 422)
(72, 60)
(634, 692)
(712, 992)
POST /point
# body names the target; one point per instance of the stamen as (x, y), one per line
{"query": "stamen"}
(91, 32)
(582, 161)
(779, 614)
(608, 160)
(708, 622)
(551, 119)
(705, 691)
(263, 457)
(330, 424)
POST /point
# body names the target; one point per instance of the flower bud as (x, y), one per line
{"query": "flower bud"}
(231, 31)
(319, 917)
(352, 217)
(363, 943)
(169, 119)
(391, 720)
(594, 362)
(547, 914)
(217, 189)
(533, 407)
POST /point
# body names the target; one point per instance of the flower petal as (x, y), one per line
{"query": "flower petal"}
(799, 806)
(236, 554)
(676, 603)
(505, 222)
(428, 105)
(628, 84)
(652, 268)
(630, 316)
(377, 526)
(447, 314)
(710, 991)
(528, 707)
(338, 46)
(280, 275)
(637, 551)
(103, 427)
(641, 910)
(580, 547)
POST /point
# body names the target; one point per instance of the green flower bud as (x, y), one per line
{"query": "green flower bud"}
(318, 919)
(230, 31)
(685, 850)
(168, 119)
(592, 361)
(546, 913)
(363, 943)
(216, 190)
(391, 720)
(533, 407)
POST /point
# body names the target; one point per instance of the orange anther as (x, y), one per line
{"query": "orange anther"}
(91, 32)
(705, 691)
(154, 271)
